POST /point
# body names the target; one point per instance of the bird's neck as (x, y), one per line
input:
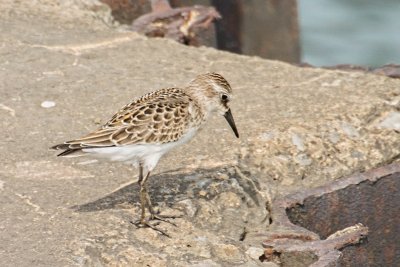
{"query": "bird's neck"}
(202, 97)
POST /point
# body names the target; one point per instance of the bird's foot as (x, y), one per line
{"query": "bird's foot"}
(164, 218)
(143, 223)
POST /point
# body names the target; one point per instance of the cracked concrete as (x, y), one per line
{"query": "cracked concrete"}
(299, 127)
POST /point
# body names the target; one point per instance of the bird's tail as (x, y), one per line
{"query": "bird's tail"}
(68, 152)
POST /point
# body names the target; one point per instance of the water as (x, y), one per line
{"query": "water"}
(361, 32)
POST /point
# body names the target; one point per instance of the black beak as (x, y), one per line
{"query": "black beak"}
(228, 116)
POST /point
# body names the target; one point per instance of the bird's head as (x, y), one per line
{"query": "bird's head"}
(215, 94)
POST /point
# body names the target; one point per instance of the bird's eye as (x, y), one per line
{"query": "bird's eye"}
(224, 97)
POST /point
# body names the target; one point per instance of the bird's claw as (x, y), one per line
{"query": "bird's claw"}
(164, 218)
(144, 223)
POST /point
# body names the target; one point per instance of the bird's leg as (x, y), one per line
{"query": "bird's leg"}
(153, 214)
(142, 205)
(145, 202)
(144, 194)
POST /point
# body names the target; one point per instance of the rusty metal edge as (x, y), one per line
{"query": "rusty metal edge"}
(284, 236)
(354, 179)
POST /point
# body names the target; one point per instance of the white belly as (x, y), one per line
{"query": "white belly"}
(149, 154)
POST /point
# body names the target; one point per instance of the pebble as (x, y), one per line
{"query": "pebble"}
(48, 104)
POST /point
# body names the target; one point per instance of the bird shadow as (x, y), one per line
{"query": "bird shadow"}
(172, 187)
(168, 188)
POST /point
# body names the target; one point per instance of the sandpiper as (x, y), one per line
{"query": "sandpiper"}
(148, 127)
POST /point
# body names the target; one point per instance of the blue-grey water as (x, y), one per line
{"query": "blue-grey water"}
(362, 32)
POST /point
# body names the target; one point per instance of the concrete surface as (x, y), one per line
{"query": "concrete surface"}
(299, 129)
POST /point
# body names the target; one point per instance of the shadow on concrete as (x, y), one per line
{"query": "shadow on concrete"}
(164, 187)
(173, 187)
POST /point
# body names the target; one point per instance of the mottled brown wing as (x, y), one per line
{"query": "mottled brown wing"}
(160, 122)
(149, 122)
